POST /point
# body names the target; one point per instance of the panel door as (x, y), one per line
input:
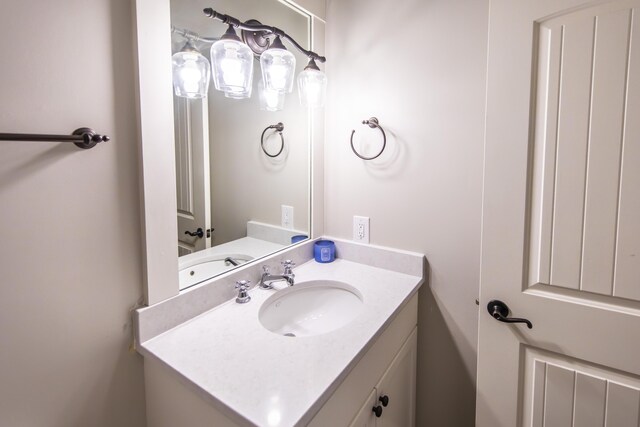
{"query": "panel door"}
(398, 384)
(561, 215)
(365, 416)
(192, 173)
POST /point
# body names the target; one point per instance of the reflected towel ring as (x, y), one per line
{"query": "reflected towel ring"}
(372, 123)
(279, 127)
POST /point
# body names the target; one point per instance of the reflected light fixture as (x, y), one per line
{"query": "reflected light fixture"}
(277, 63)
(270, 100)
(190, 73)
(278, 67)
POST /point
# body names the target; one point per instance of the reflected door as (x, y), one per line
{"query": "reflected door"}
(561, 215)
(192, 174)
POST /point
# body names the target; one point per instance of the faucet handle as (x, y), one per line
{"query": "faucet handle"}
(265, 269)
(243, 285)
(287, 264)
(243, 296)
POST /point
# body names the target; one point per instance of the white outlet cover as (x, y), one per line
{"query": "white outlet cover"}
(287, 216)
(361, 229)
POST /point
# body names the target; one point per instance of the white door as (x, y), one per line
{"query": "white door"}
(561, 215)
(192, 174)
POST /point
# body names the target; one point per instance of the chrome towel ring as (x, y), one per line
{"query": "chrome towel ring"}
(372, 123)
(278, 127)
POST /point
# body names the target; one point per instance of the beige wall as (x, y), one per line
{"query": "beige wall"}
(419, 66)
(70, 254)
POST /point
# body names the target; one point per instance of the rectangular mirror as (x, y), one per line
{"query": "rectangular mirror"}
(242, 184)
(240, 188)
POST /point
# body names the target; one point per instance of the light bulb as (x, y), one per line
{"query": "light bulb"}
(231, 72)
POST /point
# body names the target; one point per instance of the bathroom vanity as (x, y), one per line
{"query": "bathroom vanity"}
(345, 355)
(222, 363)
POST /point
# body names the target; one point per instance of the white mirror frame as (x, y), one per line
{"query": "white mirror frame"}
(158, 175)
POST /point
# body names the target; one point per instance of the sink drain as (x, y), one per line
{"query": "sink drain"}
(289, 334)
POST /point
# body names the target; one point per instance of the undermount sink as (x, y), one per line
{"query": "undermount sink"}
(311, 308)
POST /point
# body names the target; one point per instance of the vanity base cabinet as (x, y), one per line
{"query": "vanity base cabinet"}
(397, 388)
(394, 397)
(388, 366)
(171, 402)
(366, 417)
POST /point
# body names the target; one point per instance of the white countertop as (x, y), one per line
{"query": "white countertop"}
(265, 379)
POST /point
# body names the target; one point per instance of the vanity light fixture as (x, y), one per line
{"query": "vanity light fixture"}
(232, 64)
(190, 72)
(278, 64)
(278, 67)
(312, 86)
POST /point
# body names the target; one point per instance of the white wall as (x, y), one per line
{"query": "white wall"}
(70, 254)
(419, 66)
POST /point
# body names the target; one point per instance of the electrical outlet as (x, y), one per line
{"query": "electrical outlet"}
(361, 229)
(287, 216)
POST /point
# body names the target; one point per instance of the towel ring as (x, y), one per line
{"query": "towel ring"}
(372, 123)
(279, 127)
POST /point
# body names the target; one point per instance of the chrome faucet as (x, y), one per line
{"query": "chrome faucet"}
(267, 278)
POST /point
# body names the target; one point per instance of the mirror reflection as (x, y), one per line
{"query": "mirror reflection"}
(242, 169)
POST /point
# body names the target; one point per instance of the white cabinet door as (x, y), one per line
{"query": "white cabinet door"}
(398, 385)
(366, 417)
(560, 233)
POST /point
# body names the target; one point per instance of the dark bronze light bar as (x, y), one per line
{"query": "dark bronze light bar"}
(254, 33)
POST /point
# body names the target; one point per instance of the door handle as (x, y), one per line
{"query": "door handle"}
(500, 311)
(198, 233)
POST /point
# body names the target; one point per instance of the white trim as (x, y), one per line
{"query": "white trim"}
(158, 205)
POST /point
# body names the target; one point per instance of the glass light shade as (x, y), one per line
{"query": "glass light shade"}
(312, 88)
(232, 64)
(270, 100)
(190, 73)
(278, 68)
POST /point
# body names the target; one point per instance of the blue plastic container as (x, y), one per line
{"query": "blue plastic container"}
(324, 251)
(298, 238)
